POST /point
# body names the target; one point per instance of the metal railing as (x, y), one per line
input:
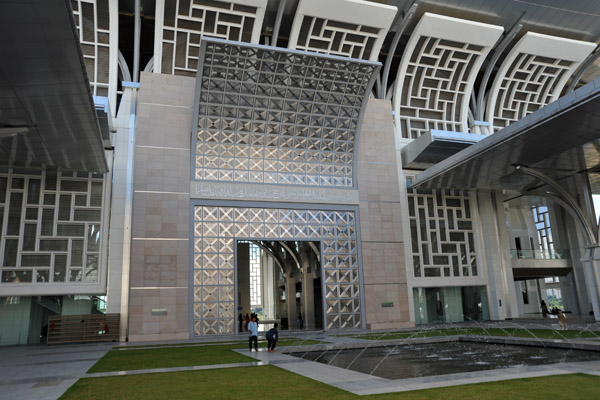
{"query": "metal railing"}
(562, 254)
(83, 328)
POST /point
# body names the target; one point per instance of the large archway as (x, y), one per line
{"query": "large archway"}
(216, 230)
(280, 282)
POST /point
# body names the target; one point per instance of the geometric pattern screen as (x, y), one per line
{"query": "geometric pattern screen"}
(92, 20)
(216, 230)
(530, 83)
(278, 117)
(435, 85)
(50, 226)
(185, 22)
(339, 38)
(441, 230)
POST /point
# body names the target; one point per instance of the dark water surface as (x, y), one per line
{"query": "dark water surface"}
(411, 361)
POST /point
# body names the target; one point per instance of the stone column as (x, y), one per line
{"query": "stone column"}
(290, 296)
(382, 243)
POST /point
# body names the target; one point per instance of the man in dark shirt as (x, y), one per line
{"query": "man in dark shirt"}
(272, 337)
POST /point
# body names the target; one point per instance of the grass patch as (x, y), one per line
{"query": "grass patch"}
(180, 356)
(511, 332)
(275, 383)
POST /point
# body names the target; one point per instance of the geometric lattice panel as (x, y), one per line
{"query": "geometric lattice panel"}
(50, 226)
(437, 73)
(216, 230)
(332, 37)
(185, 21)
(92, 19)
(441, 231)
(354, 29)
(533, 74)
(267, 115)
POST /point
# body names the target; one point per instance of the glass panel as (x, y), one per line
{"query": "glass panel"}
(54, 245)
(31, 213)
(91, 268)
(81, 200)
(3, 183)
(47, 222)
(60, 268)
(33, 191)
(96, 195)
(43, 275)
(35, 260)
(16, 276)
(18, 183)
(14, 214)
(49, 199)
(64, 207)
(76, 253)
(93, 243)
(75, 275)
(86, 215)
(29, 236)
(73, 186)
(50, 180)
(10, 252)
(70, 230)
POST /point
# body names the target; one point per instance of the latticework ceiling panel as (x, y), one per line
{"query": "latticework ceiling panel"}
(437, 73)
(275, 116)
(533, 75)
(96, 22)
(181, 23)
(341, 27)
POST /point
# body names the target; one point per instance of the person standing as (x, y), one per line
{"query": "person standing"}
(562, 320)
(544, 309)
(300, 321)
(240, 323)
(253, 333)
(247, 322)
(272, 338)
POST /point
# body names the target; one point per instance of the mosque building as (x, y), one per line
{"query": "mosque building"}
(325, 164)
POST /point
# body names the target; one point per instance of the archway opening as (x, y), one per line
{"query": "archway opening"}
(279, 281)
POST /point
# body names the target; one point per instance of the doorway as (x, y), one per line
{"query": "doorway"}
(279, 282)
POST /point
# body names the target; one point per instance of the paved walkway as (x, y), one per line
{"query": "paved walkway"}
(46, 372)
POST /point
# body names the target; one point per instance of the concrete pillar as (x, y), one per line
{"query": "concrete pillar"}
(591, 262)
(308, 291)
(290, 297)
(496, 257)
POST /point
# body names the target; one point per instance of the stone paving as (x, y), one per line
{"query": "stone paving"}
(46, 372)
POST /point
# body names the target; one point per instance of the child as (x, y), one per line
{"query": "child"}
(272, 337)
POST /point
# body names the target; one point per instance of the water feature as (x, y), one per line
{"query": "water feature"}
(416, 360)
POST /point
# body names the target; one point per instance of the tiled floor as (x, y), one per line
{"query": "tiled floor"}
(46, 372)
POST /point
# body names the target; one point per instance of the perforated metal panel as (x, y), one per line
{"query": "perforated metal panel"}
(215, 232)
(271, 116)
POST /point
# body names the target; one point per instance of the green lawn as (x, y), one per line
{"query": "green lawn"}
(516, 332)
(179, 356)
(270, 382)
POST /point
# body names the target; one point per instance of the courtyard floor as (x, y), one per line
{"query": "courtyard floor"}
(46, 372)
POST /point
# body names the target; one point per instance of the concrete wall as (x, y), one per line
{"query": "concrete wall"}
(161, 207)
(384, 269)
